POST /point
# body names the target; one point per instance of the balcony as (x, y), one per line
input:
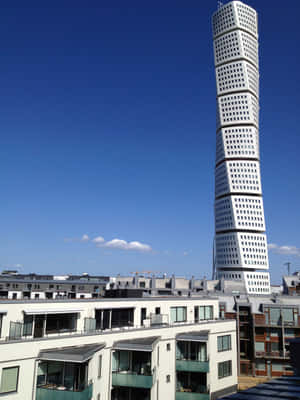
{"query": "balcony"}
(192, 366)
(191, 386)
(131, 363)
(191, 396)
(43, 393)
(273, 354)
(129, 379)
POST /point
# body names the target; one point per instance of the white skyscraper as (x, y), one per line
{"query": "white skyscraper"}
(241, 251)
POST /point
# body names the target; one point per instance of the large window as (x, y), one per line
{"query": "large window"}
(276, 315)
(69, 376)
(133, 362)
(178, 314)
(224, 343)
(9, 380)
(194, 351)
(203, 313)
(114, 318)
(60, 323)
(224, 369)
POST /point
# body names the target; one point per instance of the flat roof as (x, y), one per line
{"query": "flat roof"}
(141, 344)
(199, 336)
(78, 354)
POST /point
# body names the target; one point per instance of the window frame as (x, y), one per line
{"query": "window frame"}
(222, 370)
(222, 340)
(17, 379)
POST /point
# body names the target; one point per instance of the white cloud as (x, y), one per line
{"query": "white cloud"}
(186, 253)
(98, 239)
(288, 250)
(85, 238)
(114, 243)
(123, 245)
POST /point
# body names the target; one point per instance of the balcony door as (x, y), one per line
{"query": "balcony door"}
(38, 326)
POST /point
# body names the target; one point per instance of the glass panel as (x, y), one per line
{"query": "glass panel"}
(69, 376)
(115, 357)
(9, 380)
(277, 366)
(288, 315)
(180, 314)
(274, 346)
(220, 347)
(275, 316)
(124, 361)
(208, 312)
(260, 365)
(55, 373)
(173, 314)
(259, 346)
(28, 324)
(201, 313)
(42, 373)
(15, 330)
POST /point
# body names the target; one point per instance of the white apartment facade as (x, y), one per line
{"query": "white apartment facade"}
(121, 349)
(241, 251)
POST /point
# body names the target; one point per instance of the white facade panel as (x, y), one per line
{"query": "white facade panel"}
(236, 45)
(242, 250)
(237, 176)
(237, 76)
(235, 15)
(239, 212)
(237, 142)
(238, 109)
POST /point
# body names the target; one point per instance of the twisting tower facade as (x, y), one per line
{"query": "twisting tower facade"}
(240, 251)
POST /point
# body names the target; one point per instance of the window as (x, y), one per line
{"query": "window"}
(260, 346)
(9, 380)
(168, 346)
(28, 325)
(205, 312)
(277, 366)
(260, 365)
(224, 343)
(99, 366)
(224, 369)
(168, 378)
(61, 323)
(1, 317)
(178, 314)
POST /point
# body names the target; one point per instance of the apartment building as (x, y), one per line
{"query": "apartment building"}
(36, 286)
(265, 326)
(291, 284)
(116, 349)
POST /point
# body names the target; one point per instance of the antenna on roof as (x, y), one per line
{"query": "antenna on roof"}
(220, 4)
(288, 264)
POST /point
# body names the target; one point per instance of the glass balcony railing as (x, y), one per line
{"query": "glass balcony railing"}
(43, 393)
(132, 380)
(192, 366)
(191, 396)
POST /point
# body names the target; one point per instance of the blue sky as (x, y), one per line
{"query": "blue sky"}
(108, 130)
